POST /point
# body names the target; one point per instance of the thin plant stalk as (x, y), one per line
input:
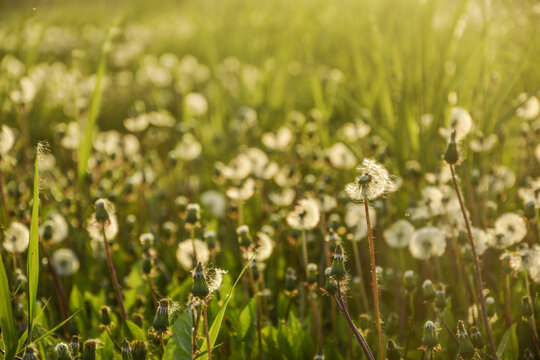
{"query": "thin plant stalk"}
(192, 236)
(374, 284)
(345, 313)
(258, 312)
(195, 327)
(206, 331)
(478, 273)
(62, 303)
(317, 316)
(112, 272)
(3, 197)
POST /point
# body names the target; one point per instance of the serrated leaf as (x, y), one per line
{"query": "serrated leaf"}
(134, 331)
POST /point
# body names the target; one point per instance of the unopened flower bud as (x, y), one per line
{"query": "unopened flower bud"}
(105, 316)
(101, 212)
(211, 240)
(89, 349)
(138, 350)
(147, 264)
(193, 214)
(529, 210)
(529, 355)
(61, 351)
(47, 232)
(244, 238)
(392, 351)
(477, 339)
(440, 298)
(161, 320)
(430, 339)
(333, 239)
(126, 350)
(290, 280)
(428, 291)
(526, 307)
(409, 278)
(319, 356)
(490, 306)
(74, 347)
(200, 287)
(451, 156)
(466, 348)
(30, 353)
(312, 273)
(338, 265)
(254, 268)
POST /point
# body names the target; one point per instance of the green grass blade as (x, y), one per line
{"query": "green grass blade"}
(85, 145)
(9, 333)
(32, 261)
(57, 327)
(216, 325)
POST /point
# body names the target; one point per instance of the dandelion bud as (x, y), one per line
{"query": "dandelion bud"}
(254, 270)
(147, 241)
(211, 240)
(392, 351)
(338, 265)
(392, 324)
(147, 264)
(47, 232)
(428, 291)
(20, 277)
(138, 350)
(526, 307)
(89, 349)
(312, 273)
(490, 306)
(126, 350)
(319, 356)
(244, 238)
(440, 298)
(290, 280)
(200, 287)
(101, 212)
(528, 355)
(451, 156)
(61, 351)
(30, 353)
(193, 214)
(529, 210)
(74, 347)
(333, 222)
(105, 316)
(477, 339)
(466, 348)
(161, 320)
(330, 285)
(430, 339)
(409, 278)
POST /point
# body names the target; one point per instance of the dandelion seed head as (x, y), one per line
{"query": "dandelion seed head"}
(341, 157)
(16, 238)
(427, 242)
(305, 215)
(374, 182)
(399, 234)
(7, 139)
(513, 226)
(65, 262)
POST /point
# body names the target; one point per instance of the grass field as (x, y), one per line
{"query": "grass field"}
(281, 180)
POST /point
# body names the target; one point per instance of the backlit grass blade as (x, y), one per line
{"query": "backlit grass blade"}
(85, 145)
(9, 333)
(216, 325)
(32, 261)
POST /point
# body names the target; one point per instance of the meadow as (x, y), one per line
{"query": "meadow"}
(345, 179)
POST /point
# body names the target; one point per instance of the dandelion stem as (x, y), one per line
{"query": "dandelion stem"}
(208, 346)
(62, 303)
(258, 314)
(112, 272)
(342, 307)
(3, 196)
(192, 236)
(116, 344)
(452, 335)
(195, 327)
(476, 264)
(316, 314)
(374, 285)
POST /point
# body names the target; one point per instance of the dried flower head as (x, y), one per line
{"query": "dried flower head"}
(374, 182)
(305, 215)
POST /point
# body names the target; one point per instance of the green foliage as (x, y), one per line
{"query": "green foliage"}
(9, 334)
